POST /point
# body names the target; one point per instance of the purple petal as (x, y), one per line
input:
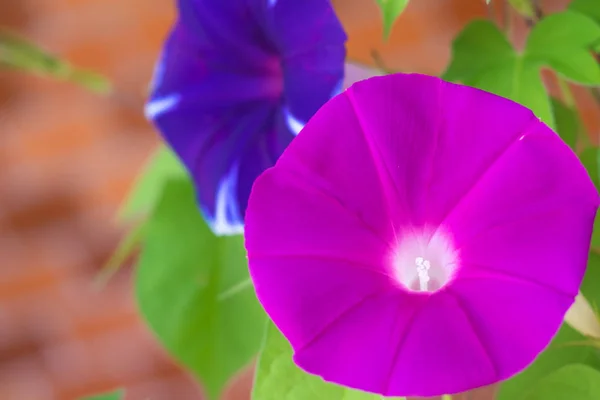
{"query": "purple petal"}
(229, 34)
(313, 59)
(228, 102)
(410, 227)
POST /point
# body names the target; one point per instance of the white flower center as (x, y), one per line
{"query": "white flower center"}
(424, 261)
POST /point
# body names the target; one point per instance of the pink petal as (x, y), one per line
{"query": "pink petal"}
(382, 321)
(530, 215)
(312, 193)
(336, 288)
(442, 353)
(399, 119)
(514, 319)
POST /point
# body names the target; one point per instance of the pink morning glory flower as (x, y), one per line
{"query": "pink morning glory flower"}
(420, 237)
(237, 80)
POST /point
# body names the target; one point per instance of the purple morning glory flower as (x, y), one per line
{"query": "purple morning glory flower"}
(237, 80)
(420, 237)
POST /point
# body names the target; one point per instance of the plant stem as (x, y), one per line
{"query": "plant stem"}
(379, 62)
(567, 94)
(582, 141)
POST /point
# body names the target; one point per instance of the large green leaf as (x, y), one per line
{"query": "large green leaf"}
(562, 351)
(278, 378)
(162, 166)
(194, 290)
(18, 53)
(391, 10)
(117, 395)
(482, 57)
(586, 7)
(478, 49)
(590, 158)
(564, 41)
(575, 381)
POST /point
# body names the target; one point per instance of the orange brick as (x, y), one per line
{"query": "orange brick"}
(69, 365)
(25, 379)
(168, 387)
(30, 280)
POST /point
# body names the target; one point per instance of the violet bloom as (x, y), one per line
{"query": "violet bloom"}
(236, 82)
(420, 237)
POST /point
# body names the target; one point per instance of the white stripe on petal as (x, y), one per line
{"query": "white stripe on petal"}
(158, 106)
(293, 123)
(339, 88)
(234, 206)
(226, 201)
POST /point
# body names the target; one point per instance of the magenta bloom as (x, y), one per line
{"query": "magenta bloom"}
(420, 237)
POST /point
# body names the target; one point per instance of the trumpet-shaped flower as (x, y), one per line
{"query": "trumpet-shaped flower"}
(420, 237)
(237, 80)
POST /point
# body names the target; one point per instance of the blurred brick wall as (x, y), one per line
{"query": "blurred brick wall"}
(67, 157)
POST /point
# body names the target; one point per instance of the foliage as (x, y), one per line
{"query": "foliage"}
(482, 57)
(390, 10)
(278, 378)
(116, 395)
(194, 291)
(20, 54)
(575, 381)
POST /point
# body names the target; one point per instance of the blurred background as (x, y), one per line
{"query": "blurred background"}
(68, 158)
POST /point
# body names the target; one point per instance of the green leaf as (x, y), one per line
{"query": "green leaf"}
(278, 378)
(390, 10)
(117, 395)
(590, 158)
(558, 354)
(591, 283)
(18, 53)
(565, 348)
(586, 7)
(480, 47)
(568, 125)
(162, 166)
(564, 41)
(483, 58)
(523, 7)
(576, 381)
(194, 290)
